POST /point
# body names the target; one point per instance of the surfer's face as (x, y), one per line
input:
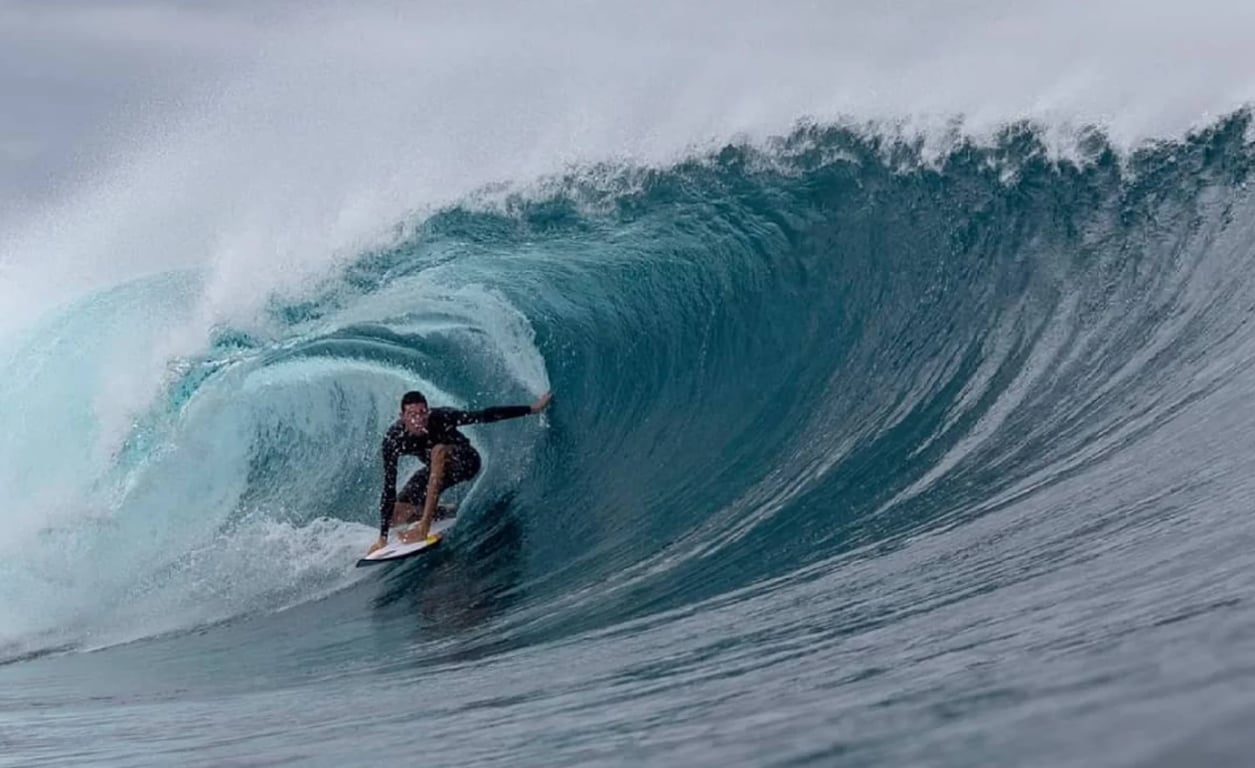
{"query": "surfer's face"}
(414, 416)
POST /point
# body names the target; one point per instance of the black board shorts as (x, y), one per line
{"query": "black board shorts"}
(461, 464)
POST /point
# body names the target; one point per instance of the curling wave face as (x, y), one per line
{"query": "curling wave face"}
(826, 365)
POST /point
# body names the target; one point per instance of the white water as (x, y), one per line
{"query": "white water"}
(126, 518)
(303, 133)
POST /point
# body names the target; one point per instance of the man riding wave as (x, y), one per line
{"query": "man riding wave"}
(448, 457)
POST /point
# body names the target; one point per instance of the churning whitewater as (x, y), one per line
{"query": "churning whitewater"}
(861, 453)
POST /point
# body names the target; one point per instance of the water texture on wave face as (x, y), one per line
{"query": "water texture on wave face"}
(858, 457)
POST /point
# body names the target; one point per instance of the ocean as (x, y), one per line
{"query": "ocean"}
(868, 446)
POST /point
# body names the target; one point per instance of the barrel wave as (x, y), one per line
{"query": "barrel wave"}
(854, 439)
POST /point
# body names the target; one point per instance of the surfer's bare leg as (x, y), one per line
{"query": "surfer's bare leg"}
(433, 490)
(403, 514)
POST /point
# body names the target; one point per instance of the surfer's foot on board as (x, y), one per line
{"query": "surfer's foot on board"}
(409, 536)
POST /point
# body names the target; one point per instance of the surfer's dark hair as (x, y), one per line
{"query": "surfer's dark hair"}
(413, 397)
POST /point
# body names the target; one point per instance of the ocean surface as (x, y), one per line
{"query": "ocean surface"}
(865, 450)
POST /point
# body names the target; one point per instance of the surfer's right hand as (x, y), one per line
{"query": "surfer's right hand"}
(543, 402)
(380, 543)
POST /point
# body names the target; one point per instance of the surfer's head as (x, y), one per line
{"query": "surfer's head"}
(414, 411)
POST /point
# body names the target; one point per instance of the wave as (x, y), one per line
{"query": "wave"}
(768, 360)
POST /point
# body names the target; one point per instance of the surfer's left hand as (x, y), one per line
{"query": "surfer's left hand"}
(380, 543)
(542, 403)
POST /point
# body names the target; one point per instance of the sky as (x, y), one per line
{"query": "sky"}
(80, 79)
(76, 76)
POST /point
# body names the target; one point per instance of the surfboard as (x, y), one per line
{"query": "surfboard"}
(397, 550)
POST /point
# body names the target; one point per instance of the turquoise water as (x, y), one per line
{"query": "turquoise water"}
(857, 457)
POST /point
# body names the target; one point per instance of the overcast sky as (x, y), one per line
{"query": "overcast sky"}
(78, 77)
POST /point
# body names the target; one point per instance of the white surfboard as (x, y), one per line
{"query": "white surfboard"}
(397, 550)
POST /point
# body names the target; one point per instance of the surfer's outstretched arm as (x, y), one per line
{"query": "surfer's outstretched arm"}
(497, 413)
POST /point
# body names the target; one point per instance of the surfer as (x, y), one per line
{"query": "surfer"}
(448, 457)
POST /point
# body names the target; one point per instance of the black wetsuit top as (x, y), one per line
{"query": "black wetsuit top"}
(442, 429)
